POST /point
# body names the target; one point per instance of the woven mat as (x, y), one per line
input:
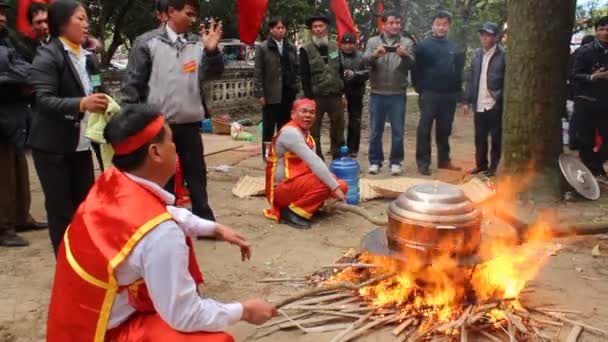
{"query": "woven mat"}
(475, 189)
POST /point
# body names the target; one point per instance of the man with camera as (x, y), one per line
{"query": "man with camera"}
(390, 57)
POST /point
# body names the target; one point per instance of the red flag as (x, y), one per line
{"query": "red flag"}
(344, 21)
(251, 13)
(380, 11)
(23, 25)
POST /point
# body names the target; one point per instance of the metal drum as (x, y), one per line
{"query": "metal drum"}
(434, 219)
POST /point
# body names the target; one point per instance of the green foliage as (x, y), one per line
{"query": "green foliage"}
(587, 14)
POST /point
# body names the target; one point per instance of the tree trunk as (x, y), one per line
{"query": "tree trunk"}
(117, 38)
(535, 93)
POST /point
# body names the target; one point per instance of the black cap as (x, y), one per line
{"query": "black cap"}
(4, 4)
(490, 28)
(317, 17)
(348, 38)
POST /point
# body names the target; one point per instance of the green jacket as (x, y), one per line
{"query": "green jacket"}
(320, 78)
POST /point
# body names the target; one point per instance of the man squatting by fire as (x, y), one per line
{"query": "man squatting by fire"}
(297, 179)
(126, 270)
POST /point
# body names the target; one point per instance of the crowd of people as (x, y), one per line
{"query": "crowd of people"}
(126, 269)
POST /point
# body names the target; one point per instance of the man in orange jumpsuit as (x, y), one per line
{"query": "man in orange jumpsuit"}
(126, 269)
(297, 180)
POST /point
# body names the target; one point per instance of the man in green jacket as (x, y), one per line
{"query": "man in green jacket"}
(321, 72)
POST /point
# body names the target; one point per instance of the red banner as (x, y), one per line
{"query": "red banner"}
(250, 13)
(23, 25)
(380, 11)
(344, 21)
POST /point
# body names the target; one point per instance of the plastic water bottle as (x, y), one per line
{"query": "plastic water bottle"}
(347, 169)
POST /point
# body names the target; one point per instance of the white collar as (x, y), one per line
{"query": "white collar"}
(167, 197)
(173, 36)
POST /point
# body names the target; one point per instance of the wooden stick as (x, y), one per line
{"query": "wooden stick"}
(574, 333)
(560, 311)
(586, 326)
(367, 327)
(352, 265)
(352, 327)
(323, 307)
(463, 334)
(314, 321)
(329, 328)
(337, 313)
(398, 330)
(331, 287)
(511, 332)
(277, 322)
(516, 322)
(294, 322)
(282, 280)
(547, 322)
(327, 298)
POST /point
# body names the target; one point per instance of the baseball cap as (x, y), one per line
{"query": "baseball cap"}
(348, 38)
(490, 28)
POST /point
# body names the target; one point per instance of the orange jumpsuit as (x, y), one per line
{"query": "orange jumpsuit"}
(115, 216)
(300, 190)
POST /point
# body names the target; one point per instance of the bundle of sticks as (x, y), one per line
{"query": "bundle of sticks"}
(338, 307)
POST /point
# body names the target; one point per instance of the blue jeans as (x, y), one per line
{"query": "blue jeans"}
(381, 107)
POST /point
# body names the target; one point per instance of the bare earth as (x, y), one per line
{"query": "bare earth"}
(572, 279)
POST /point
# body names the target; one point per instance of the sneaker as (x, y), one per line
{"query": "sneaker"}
(396, 170)
(373, 169)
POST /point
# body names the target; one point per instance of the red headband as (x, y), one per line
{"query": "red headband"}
(303, 102)
(133, 142)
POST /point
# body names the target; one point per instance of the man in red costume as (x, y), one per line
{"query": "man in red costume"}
(126, 270)
(297, 180)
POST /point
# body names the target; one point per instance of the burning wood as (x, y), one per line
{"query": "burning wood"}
(421, 304)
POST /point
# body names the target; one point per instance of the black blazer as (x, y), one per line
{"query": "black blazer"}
(58, 91)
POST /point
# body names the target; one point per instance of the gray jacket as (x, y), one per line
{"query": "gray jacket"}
(169, 74)
(495, 76)
(388, 74)
(355, 62)
(275, 73)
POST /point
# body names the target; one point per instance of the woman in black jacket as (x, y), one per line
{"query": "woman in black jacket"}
(63, 83)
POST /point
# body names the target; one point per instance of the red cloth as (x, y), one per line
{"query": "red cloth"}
(150, 327)
(300, 190)
(23, 25)
(250, 13)
(380, 11)
(344, 21)
(107, 226)
(304, 195)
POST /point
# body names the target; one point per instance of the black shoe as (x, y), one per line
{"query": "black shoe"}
(33, 225)
(449, 166)
(294, 220)
(491, 173)
(478, 170)
(424, 171)
(13, 240)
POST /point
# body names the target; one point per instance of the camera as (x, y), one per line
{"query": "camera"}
(390, 48)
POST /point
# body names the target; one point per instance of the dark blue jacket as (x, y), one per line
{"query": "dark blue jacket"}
(439, 66)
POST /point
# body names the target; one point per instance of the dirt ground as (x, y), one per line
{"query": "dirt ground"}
(572, 279)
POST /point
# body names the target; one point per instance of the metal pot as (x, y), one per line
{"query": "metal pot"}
(434, 219)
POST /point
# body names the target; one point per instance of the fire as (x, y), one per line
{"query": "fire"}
(441, 287)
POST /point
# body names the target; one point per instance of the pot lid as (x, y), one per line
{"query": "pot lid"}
(579, 177)
(437, 204)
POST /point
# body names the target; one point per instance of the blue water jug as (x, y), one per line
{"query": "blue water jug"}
(207, 126)
(347, 169)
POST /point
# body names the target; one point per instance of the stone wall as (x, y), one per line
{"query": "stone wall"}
(232, 93)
